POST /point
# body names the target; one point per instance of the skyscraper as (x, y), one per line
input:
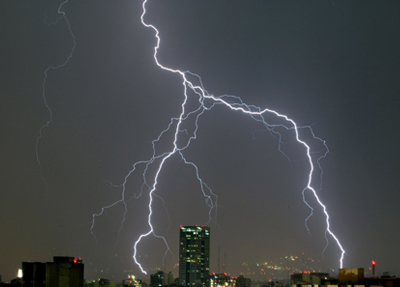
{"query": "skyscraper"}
(194, 256)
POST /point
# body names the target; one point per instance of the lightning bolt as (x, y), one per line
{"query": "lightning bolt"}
(46, 74)
(193, 88)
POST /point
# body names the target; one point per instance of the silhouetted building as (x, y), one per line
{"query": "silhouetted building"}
(161, 279)
(62, 272)
(351, 276)
(104, 282)
(271, 283)
(13, 283)
(243, 282)
(383, 281)
(33, 274)
(194, 256)
(354, 277)
(305, 278)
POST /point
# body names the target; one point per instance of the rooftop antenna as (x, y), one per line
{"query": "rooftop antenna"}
(219, 253)
(373, 268)
(224, 262)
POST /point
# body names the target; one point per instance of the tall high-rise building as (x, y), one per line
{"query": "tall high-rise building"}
(194, 256)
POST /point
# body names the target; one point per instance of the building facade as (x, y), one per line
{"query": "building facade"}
(243, 282)
(194, 256)
(351, 276)
(161, 279)
(308, 278)
(222, 280)
(62, 272)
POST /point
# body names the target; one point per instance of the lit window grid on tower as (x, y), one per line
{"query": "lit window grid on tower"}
(194, 256)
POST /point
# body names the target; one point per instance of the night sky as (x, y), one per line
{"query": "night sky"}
(333, 65)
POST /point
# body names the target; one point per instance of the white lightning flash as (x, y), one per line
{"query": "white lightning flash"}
(182, 139)
(46, 73)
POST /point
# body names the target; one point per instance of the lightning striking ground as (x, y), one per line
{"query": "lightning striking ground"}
(182, 138)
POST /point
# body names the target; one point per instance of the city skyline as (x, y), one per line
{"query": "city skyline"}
(332, 65)
(279, 269)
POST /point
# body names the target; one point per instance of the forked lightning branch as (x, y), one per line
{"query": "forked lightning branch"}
(192, 86)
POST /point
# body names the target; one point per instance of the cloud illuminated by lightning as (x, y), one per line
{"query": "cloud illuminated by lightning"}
(193, 87)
